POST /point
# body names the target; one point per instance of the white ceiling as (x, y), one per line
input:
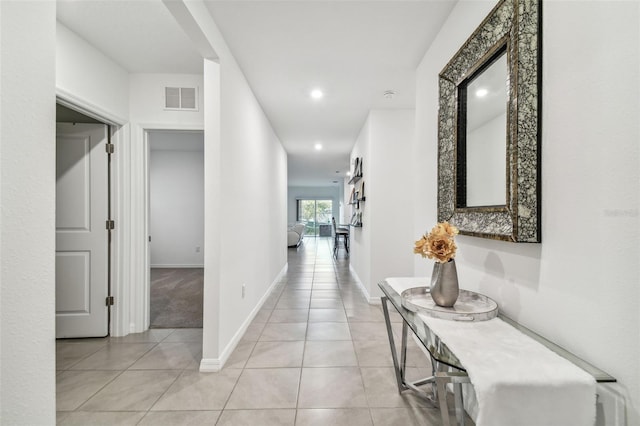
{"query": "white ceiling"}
(353, 50)
(140, 35)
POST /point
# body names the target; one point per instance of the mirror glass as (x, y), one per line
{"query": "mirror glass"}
(486, 136)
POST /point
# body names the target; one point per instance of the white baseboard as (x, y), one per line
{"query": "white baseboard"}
(209, 365)
(216, 364)
(176, 266)
(375, 301)
(363, 289)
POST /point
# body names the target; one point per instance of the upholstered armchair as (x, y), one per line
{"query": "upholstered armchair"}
(295, 234)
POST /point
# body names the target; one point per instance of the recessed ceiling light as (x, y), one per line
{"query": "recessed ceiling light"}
(318, 146)
(481, 93)
(349, 173)
(317, 94)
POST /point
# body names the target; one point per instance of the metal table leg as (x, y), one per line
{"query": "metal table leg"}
(456, 378)
(400, 365)
(441, 376)
(399, 370)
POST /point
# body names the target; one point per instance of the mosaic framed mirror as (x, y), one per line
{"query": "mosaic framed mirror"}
(489, 124)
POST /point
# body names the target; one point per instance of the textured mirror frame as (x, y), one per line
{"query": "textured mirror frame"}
(517, 22)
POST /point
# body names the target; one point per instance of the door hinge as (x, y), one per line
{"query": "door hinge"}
(110, 301)
(111, 148)
(111, 224)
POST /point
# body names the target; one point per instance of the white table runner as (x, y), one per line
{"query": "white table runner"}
(517, 380)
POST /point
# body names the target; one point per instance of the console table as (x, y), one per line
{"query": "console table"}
(447, 368)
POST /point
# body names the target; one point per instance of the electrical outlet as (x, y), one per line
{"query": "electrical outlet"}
(244, 288)
(198, 249)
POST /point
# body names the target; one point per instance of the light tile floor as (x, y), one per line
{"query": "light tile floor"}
(316, 354)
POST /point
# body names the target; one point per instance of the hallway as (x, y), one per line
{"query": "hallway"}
(316, 354)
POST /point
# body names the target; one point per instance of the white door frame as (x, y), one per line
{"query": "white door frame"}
(119, 132)
(140, 297)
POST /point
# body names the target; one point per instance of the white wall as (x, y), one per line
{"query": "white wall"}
(86, 75)
(295, 193)
(27, 220)
(176, 198)
(95, 84)
(389, 197)
(254, 194)
(146, 106)
(579, 287)
(249, 193)
(360, 237)
(379, 249)
(146, 103)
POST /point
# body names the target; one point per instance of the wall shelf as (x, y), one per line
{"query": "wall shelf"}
(355, 179)
(357, 194)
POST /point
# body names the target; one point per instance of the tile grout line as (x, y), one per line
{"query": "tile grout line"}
(341, 290)
(304, 348)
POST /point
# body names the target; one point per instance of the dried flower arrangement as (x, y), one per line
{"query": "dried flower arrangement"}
(439, 244)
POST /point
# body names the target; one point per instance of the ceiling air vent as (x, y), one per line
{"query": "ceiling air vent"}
(181, 98)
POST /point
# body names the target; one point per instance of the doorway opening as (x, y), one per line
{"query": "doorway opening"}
(317, 215)
(176, 228)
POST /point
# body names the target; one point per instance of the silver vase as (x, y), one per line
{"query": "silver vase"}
(444, 284)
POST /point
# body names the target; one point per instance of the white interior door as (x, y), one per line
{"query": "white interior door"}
(81, 234)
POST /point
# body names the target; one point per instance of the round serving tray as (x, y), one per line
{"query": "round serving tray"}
(470, 306)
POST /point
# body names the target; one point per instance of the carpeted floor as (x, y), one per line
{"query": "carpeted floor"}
(176, 297)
